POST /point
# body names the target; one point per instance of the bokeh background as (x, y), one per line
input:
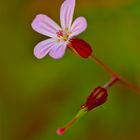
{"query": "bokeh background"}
(38, 96)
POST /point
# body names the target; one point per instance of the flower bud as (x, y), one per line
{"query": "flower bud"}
(80, 47)
(96, 98)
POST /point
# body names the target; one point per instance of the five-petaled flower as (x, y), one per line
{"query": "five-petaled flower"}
(60, 37)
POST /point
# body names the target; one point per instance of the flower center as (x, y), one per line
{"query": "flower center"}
(63, 35)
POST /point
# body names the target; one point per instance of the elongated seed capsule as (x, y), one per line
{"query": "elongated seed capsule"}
(96, 98)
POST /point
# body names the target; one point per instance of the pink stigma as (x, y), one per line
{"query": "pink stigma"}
(60, 131)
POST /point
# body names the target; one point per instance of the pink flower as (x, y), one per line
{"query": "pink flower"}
(60, 37)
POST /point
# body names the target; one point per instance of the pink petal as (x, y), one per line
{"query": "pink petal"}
(79, 26)
(58, 51)
(45, 25)
(43, 48)
(66, 13)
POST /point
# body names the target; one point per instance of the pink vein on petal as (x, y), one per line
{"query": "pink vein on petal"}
(79, 26)
(45, 25)
(43, 48)
(66, 13)
(58, 51)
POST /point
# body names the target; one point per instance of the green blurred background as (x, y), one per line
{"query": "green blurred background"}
(37, 96)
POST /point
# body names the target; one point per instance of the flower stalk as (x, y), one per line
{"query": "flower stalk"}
(116, 76)
(111, 82)
(103, 65)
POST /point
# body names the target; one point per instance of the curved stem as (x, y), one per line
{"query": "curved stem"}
(114, 74)
(130, 86)
(111, 82)
(103, 65)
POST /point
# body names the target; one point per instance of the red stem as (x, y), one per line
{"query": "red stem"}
(115, 77)
(111, 82)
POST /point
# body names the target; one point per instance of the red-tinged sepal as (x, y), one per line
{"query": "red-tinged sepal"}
(80, 47)
(96, 98)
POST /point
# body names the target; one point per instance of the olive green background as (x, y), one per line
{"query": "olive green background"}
(38, 96)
